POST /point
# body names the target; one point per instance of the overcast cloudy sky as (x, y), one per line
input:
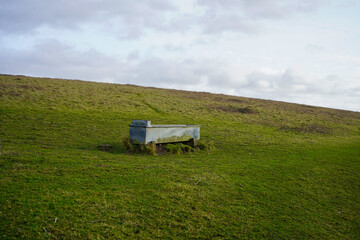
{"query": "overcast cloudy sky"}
(304, 51)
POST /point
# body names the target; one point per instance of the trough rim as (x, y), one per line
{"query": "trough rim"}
(167, 126)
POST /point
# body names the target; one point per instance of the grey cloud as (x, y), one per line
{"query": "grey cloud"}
(289, 86)
(214, 23)
(245, 15)
(285, 81)
(24, 16)
(332, 78)
(55, 59)
(173, 73)
(129, 19)
(133, 56)
(262, 8)
(278, 8)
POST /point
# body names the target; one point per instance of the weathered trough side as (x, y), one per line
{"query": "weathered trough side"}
(142, 132)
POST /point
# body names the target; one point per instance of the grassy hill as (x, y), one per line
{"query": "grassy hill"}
(279, 170)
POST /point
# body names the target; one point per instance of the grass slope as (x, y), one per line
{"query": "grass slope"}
(280, 170)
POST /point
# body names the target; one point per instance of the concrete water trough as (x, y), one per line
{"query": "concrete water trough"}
(142, 132)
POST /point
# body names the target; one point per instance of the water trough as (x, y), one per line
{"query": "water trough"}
(142, 132)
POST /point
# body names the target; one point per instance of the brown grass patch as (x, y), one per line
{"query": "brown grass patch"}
(22, 86)
(312, 128)
(235, 100)
(234, 109)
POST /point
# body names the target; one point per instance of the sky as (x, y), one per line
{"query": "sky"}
(301, 51)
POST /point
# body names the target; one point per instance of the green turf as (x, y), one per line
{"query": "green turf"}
(279, 170)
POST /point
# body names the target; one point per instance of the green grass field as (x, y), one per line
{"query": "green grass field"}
(279, 170)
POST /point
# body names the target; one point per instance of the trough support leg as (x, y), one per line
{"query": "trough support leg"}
(152, 144)
(193, 142)
(151, 148)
